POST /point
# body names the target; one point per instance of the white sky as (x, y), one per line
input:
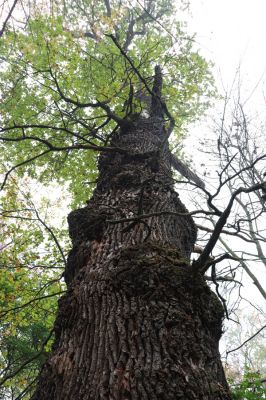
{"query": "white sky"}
(232, 33)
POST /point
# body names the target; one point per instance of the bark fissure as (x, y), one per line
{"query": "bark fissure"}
(136, 321)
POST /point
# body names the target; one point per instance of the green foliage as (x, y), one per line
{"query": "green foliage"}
(250, 388)
(52, 61)
(30, 284)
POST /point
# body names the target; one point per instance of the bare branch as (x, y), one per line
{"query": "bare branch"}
(246, 269)
(225, 256)
(108, 8)
(226, 232)
(158, 214)
(200, 263)
(223, 279)
(8, 17)
(246, 341)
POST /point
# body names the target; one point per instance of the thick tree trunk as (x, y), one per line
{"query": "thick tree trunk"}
(136, 321)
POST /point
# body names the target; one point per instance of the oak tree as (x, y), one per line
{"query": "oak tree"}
(98, 94)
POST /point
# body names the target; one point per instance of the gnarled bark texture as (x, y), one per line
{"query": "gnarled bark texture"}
(136, 322)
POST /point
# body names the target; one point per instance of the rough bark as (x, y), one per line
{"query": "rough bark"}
(136, 321)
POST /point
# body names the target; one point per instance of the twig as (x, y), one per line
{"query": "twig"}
(21, 164)
(246, 341)
(226, 232)
(200, 263)
(28, 361)
(99, 104)
(158, 214)
(8, 17)
(222, 279)
(3, 313)
(151, 92)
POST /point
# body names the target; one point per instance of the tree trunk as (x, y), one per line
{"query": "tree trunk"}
(136, 322)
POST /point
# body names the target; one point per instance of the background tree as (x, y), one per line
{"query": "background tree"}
(249, 339)
(239, 146)
(236, 156)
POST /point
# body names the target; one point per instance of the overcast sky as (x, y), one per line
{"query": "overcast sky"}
(232, 33)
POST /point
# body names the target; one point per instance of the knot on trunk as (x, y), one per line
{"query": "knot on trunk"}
(86, 224)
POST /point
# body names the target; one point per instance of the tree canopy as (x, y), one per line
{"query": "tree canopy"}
(69, 75)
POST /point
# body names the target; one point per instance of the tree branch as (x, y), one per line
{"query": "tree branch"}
(226, 232)
(108, 8)
(99, 104)
(158, 214)
(20, 165)
(5, 312)
(200, 263)
(8, 17)
(50, 145)
(6, 378)
(222, 279)
(245, 267)
(246, 341)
